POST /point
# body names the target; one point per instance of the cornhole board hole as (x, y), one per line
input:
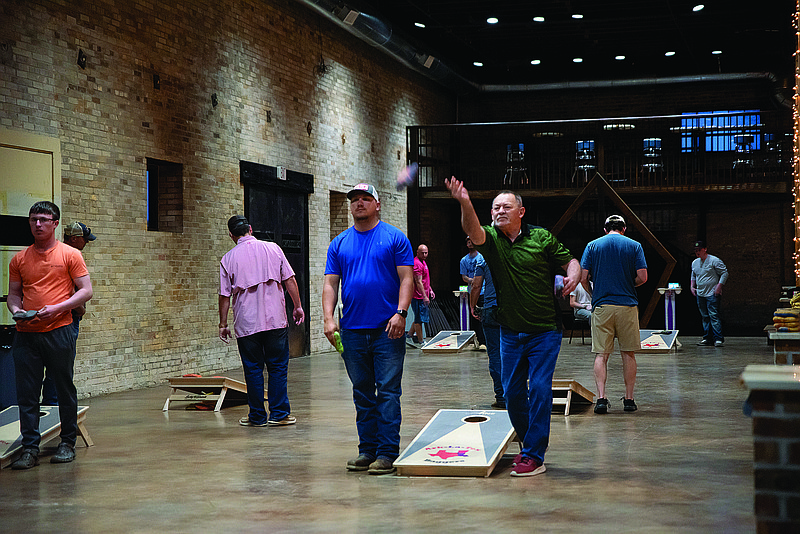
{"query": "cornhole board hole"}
(49, 428)
(658, 341)
(568, 392)
(466, 443)
(448, 341)
(225, 391)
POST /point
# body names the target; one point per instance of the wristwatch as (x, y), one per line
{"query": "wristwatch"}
(402, 313)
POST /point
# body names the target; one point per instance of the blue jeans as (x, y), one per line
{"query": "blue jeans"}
(712, 323)
(268, 349)
(528, 363)
(33, 351)
(491, 331)
(374, 364)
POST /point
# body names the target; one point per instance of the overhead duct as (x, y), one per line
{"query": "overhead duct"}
(379, 34)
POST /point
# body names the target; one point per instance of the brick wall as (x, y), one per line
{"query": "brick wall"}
(776, 449)
(154, 311)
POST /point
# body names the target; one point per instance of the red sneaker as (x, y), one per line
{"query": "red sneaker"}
(527, 467)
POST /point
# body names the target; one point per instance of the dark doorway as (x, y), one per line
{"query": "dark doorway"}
(277, 210)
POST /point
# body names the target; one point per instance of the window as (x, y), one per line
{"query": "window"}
(721, 131)
(164, 196)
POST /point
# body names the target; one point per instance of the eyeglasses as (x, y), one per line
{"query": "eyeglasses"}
(40, 220)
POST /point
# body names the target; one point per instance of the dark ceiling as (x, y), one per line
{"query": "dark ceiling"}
(753, 36)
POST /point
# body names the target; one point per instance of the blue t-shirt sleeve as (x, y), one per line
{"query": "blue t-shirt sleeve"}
(403, 254)
(332, 263)
(640, 261)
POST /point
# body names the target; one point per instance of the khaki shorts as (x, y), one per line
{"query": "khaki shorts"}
(610, 321)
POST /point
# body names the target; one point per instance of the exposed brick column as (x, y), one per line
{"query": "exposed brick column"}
(776, 447)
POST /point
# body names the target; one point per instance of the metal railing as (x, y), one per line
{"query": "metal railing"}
(664, 152)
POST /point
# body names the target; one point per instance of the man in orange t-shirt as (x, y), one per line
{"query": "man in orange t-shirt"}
(46, 281)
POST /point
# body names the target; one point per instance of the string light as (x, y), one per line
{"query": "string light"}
(796, 146)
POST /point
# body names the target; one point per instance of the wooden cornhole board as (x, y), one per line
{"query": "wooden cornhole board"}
(208, 389)
(568, 392)
(466, 443)
(658, 341)
(448, 341)
(49, 428)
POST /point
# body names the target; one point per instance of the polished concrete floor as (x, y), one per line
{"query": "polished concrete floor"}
(683, 462)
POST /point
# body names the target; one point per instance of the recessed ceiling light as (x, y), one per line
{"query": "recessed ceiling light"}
(577, 60)
(538, 19)
(536, 61)
(477, 63)
(619, 58)
(670, 53)
(492, 20)
(698, 7)
(577, 16)
(716, 52)
(419, 25)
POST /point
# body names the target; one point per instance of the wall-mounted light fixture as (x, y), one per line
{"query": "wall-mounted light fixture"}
(214, 99)
(344, 139)
(269, 116)
(309, 129)
(156, 81)
(81, 59)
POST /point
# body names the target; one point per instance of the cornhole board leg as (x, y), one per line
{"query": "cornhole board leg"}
(207, 389)
(49, 428)
(565, 392)
(448, 342)
(466, 443)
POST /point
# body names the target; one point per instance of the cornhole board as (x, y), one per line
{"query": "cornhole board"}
(658, 341)
(49, 428)
(448, 342)
(208, 389)
(466, 443)
(567, 392)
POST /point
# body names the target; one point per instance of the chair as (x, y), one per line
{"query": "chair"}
(583, 325)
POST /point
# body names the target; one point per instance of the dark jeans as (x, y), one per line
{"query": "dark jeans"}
(268, 349)
(477, 326)
(49, 393)
(529, 361)
(491, 330)
(374, 364)
(712, 323)
(55, 350)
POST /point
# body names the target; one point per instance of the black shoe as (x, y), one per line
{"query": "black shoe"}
(65, 453)
(499, 404)
(27, 460)
(601, 406)
(704, 343)
(629, 405)
(361, 463)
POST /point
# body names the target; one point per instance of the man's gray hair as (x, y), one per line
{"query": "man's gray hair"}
(516, 195)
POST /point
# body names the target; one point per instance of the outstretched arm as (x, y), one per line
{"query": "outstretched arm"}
(469, 219)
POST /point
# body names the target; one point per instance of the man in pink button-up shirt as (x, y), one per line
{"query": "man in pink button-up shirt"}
(253, 275)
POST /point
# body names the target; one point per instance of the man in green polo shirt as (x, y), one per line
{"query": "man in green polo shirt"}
(523, 260)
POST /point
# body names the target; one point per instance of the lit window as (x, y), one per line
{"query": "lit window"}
(716, 134)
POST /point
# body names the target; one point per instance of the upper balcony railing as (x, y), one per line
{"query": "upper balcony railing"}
(676, 152)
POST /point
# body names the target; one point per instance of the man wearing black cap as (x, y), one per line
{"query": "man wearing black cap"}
(76, 235)
(253, 275)
(709, 274)
(374, 262)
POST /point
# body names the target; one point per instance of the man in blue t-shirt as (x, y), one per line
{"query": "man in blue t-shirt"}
(374, 262)
(482, 285)
(616, 266)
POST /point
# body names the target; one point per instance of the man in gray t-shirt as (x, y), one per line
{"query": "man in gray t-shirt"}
(709, 274)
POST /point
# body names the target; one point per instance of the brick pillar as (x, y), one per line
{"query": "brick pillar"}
(776, 460)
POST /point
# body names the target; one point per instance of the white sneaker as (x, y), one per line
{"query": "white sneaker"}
(719, 343)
